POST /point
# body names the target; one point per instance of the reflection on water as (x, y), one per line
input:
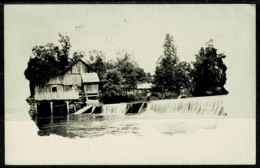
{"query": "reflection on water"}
(84, 125)
(88, 126)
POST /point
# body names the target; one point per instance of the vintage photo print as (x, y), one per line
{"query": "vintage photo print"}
(149, 84)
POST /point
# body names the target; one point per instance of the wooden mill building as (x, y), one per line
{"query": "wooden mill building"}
(68, 89)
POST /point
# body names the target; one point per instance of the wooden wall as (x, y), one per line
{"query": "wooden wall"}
(64, 83)
(65, 79)
(62, 93)
(91, 88)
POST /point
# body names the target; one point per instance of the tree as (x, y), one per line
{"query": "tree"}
(165, 72)
(182, 76)
(140, 75)
(113, 85)
(77, 55)
(130, 70)
(42, 63)
(47, 60)
(63, 55)
(97, 62)
(149, 77)
(209, 73)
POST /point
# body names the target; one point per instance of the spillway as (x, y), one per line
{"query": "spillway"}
(206, 106)
(114, 109)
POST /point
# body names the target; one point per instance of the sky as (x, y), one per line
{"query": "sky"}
(139, 29)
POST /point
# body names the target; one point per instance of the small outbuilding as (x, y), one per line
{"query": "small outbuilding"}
(144, 86)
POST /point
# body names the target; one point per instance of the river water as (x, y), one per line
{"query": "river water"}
(88, 126)
(155, 116)
(190, 131)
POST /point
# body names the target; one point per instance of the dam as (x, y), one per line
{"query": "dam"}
(206, 106)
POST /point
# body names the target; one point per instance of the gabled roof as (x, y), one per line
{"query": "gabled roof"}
(90, 77)
(66, 69)
(77, 62)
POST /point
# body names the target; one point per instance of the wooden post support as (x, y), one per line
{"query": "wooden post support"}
(93, 109)
(51, 103)
(68, 108)
(68, 118)
(140, 108)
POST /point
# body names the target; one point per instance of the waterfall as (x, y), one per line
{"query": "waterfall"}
(114, 109)
(195, 106)
(206, 106)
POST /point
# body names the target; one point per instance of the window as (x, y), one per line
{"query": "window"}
(54, 88)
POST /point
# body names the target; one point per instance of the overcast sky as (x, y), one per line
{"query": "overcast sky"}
(136, 28)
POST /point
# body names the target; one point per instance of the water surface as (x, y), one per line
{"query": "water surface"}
(87, 125)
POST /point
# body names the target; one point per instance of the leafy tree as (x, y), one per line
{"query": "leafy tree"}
(182, 76)
(47, 60)
(63, 55)
(165, 73)
(140, 75)
(97, 62)
(42, 63)
(114, 83)
(130, 70)
(209, 73)
(77, 55)
(149, 77)
(110, 64)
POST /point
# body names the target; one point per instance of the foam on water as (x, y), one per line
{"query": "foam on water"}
(114, 109)
(189, 107)
(202, 106)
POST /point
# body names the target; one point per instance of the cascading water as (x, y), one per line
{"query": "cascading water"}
(206, 106)
(114, 109)
(196, 106)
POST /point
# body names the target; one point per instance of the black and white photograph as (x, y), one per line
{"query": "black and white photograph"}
(130, 84)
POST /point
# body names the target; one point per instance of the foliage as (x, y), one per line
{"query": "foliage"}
(170, 74)
(126, 66)
(47, 60)
(97, 62)
(164, 72)
(43, 62)
(163, 95)
(110, 64)
(173, 78)
(182, 77)
(119, 75)
(113, 85)
(76, 56)
(63, 55)
(209, 73)
(148, 77)
(130, 70)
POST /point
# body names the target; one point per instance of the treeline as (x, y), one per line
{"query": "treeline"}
(206, 76)
(117, 76)
(172, 78)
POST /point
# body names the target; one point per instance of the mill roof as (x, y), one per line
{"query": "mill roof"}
(65, 70)
(90, 77)
(144, 86)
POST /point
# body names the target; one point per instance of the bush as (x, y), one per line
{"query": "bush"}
(166, 95)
